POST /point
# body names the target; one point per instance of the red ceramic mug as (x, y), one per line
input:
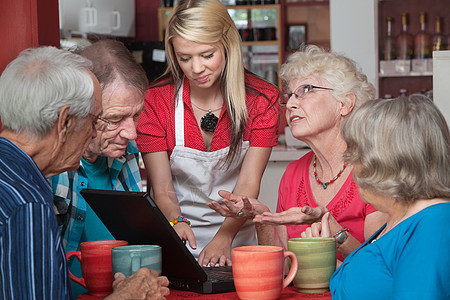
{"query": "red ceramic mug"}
(258, 271)
(96, 266)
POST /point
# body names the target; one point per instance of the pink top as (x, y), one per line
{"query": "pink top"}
(346, 207)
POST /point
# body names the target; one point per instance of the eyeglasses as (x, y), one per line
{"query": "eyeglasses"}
(110, 125)
(100, 125)
(300, 92)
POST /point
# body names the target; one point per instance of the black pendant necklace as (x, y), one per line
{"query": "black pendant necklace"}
(209, 121)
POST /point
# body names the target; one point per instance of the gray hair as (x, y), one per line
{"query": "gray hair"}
(342, 73)
(36, 85)
(401, 147)
(113, 61)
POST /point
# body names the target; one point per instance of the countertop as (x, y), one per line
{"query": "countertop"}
(287, 153)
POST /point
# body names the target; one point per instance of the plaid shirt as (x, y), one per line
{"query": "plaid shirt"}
(70, 206)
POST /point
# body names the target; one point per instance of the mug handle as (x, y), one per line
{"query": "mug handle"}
(77, 254)
(135, 263)
(294, 266)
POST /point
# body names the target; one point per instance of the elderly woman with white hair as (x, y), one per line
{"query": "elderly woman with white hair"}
(323, 88)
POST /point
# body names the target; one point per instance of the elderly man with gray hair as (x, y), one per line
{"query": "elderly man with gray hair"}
(49, 103)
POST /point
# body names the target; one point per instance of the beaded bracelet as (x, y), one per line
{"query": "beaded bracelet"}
(180, 219)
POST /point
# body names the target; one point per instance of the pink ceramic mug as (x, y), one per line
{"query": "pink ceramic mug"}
(258, 271)
(96, 266)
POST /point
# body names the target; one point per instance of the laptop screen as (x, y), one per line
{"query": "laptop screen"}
(135, 218)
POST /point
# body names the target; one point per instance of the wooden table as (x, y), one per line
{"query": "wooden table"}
(288, 293)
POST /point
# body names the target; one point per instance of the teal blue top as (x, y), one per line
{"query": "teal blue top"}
(98, 173)
(99, 178)
(78, 223)
(411, 261)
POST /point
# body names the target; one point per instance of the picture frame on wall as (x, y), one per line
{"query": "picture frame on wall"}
(295, 36)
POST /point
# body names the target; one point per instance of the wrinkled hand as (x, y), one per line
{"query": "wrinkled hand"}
(144, 284)
(185, 233)
(232, 204)
(319, 229)
(294, 216)
(217, 251)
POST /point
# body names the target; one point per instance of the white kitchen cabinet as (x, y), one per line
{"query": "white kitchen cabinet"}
(441, 88)
(354, 31)
(105, 17)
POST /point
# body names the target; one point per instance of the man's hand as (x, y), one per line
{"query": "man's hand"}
(144, 284)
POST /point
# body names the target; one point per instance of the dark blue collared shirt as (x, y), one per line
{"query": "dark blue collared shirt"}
(32, 260)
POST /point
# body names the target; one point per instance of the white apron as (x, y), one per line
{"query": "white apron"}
(197, 178)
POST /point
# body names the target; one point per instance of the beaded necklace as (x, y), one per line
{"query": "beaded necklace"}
(325, 184)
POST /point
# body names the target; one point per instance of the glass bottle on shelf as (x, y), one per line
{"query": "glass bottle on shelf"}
(422, 40)
(389, 42)
(404, 40)
(438, 42)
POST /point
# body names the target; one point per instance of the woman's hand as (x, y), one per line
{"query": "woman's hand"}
(218, 251)
(185, 233)
(237, 206)
(294, 216)
(322, 229)
(319, 229)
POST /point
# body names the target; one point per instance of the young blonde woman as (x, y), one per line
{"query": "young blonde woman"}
(208, 125)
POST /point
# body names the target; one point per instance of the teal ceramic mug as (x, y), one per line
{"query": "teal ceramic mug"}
(129, 259)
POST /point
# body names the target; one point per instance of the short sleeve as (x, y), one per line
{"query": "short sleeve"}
(154, 121)
(264, 113)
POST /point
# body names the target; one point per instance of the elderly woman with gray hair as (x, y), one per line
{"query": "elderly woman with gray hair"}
(400, 152)
(323, 88)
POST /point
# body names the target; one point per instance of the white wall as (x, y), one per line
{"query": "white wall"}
(441, 82)
(270, 182)
(354, 32)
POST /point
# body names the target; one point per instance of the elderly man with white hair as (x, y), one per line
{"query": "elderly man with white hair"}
(49, 103)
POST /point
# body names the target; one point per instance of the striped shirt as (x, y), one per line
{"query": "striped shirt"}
(70, 206)
(32, 260)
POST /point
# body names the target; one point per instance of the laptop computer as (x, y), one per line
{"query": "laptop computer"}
(134, 217)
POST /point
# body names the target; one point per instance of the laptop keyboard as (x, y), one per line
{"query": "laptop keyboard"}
(219, 273)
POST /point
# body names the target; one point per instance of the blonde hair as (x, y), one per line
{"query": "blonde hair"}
(208, 22)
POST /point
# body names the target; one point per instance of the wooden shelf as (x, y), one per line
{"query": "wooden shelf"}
(413, 82)
(259, 6)
(260, 43)
(307, 3)
(410, 74)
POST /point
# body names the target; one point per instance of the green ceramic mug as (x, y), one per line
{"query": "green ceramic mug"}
(316, 259)
(129, 259)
